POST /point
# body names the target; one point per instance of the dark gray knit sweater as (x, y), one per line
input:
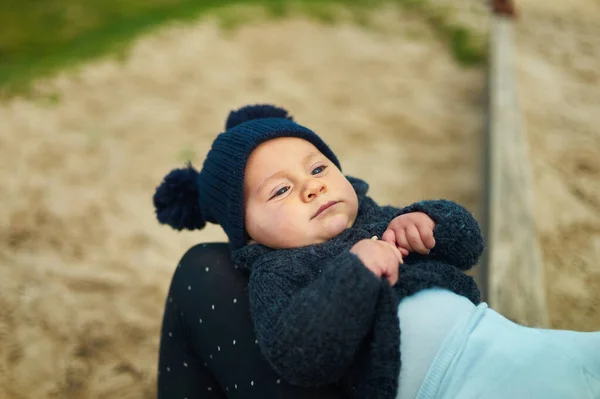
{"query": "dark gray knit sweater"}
(321, 317)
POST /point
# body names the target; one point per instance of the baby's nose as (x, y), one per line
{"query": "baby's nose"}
(314, 188)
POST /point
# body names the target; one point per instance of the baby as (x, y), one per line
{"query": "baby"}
(321, 310)
(333, 276)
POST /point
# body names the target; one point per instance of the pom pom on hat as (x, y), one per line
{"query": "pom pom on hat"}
(176, 200)
(252, 112)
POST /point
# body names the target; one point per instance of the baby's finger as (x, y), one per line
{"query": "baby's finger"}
(392, 270)
(392, 251)
(414, 239)
(426, 233)
(389, 236)
(401, 240)
(397, 253)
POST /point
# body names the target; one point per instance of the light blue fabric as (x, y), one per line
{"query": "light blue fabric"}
(487, 356)
(426, 319)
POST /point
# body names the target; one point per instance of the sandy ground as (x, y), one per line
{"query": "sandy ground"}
(559, 77)
(85, 266)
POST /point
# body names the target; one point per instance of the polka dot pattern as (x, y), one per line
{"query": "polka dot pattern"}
(206, 333)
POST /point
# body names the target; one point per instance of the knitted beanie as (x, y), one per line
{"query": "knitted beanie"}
(187, 199)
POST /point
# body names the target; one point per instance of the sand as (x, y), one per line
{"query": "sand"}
(558, 67)
(85, 266)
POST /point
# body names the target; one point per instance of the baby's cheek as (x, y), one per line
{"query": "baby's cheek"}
(279, 226)
(285, 230)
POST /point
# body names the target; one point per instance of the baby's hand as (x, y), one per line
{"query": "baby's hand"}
(411, 232)
(380, 257)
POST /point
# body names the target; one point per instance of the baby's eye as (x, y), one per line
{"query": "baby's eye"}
(281, 191)
(318, 169)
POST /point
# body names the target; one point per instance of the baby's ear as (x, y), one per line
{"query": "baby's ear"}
(176, 200)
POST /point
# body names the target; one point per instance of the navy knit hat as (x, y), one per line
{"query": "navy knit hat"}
(187, 199)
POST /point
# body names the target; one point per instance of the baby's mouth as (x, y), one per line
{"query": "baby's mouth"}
(323, 208)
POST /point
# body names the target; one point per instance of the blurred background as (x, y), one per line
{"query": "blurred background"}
(101, 99)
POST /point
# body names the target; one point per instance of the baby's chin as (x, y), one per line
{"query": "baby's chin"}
(329, 229)
(334, 226)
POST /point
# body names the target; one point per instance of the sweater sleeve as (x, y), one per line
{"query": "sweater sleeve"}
(458, 238)
(311, 332)
(428, 274)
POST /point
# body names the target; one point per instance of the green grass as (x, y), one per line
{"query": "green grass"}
(466, 47)
(38, 37)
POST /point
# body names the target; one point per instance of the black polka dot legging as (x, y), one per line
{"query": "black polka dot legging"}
(207, 347)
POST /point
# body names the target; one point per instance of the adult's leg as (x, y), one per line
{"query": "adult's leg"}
(209, 299)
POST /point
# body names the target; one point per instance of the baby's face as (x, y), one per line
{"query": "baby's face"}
(295, 196)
